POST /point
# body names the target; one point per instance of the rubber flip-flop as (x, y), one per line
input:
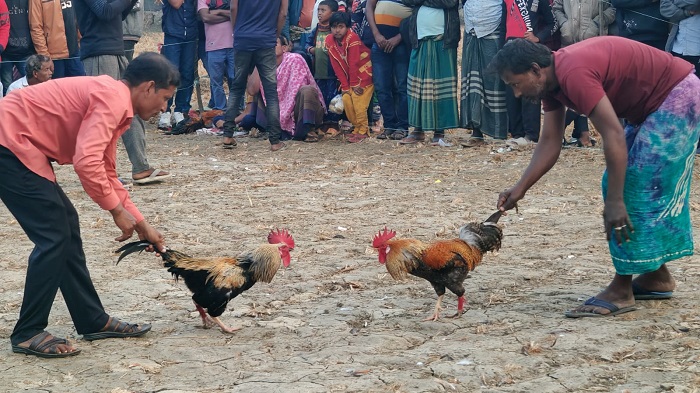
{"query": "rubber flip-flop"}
(155, 176)
(642, 294)
(614, 310)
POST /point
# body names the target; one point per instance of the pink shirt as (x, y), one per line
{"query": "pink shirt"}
(72, 121)
(218, 36)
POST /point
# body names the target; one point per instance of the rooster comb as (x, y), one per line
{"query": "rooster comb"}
(280, 236)
(381, 237)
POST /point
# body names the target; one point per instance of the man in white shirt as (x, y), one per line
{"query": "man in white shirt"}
(39, 69)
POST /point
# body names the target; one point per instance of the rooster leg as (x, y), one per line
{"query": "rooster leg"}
(223, 326)
(460, 307)
(206, 321)
(436, 315)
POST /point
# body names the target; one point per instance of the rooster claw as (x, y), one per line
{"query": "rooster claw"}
(229, 330)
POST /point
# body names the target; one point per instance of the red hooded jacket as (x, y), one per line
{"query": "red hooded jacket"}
(4, 26)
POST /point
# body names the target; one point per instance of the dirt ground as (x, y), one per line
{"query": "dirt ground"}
(335, 321)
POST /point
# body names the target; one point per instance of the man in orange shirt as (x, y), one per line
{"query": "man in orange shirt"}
(87, 115)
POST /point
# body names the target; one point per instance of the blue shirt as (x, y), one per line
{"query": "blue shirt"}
(182, 22)
(256, 25)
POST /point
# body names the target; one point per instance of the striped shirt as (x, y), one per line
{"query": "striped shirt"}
(388, 16)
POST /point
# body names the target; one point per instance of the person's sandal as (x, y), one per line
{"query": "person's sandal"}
(332, 132)
(118, 329)
(398, 135)
(384, 135)
(355, 138)
(580, 144)
(231, 144)
(473, 142)
(436, 138)
(38, 347)
(312, 137)
(413, 138)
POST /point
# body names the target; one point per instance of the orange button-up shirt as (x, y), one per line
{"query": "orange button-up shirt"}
(72, 121)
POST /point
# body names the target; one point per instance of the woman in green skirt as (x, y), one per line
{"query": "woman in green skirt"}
(433, 32)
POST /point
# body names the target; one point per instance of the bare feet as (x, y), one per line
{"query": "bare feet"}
(277, 146)
(658, 281)
(618, 293)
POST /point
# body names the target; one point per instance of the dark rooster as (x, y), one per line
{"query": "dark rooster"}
(215, 281)
(444, 263)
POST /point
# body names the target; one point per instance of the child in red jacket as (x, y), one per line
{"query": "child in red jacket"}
(352, 65)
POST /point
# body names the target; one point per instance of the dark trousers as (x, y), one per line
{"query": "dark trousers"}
(50, 221)
(67, 67)
(182, 52)
(580, 123)
(266, 62)
(129, 49)
(523, 116)
(390, 77)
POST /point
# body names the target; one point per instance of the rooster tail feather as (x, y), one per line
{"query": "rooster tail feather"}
(130, 248)
(494, 217)
(485, 236)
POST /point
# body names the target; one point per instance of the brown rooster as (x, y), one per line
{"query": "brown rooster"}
(444, 263)
(215, 281)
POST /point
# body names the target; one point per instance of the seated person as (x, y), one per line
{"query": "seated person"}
(39, 69)
(301, 102)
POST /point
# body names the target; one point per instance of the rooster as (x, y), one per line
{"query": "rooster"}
(215, 281)
(444, 263)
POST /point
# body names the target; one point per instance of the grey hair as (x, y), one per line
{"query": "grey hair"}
(34, 63)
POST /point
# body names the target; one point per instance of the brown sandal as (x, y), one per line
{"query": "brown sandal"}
(45, 349)
(312, 137)
(413, 138)
(118, 329)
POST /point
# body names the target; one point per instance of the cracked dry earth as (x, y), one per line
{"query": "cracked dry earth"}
(336, 321)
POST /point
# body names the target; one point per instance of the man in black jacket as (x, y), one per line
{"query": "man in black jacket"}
(641, 20)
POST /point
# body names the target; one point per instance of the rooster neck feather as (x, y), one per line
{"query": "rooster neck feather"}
(404, 257)
(265, 261)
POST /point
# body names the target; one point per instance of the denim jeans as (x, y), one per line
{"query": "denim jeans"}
(266, 62)
(183, 54)
(6, 72)
(220, 63)
(390, 76)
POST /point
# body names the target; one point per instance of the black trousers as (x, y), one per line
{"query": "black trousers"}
(580, 123)
(523, 116)
(50, 221)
